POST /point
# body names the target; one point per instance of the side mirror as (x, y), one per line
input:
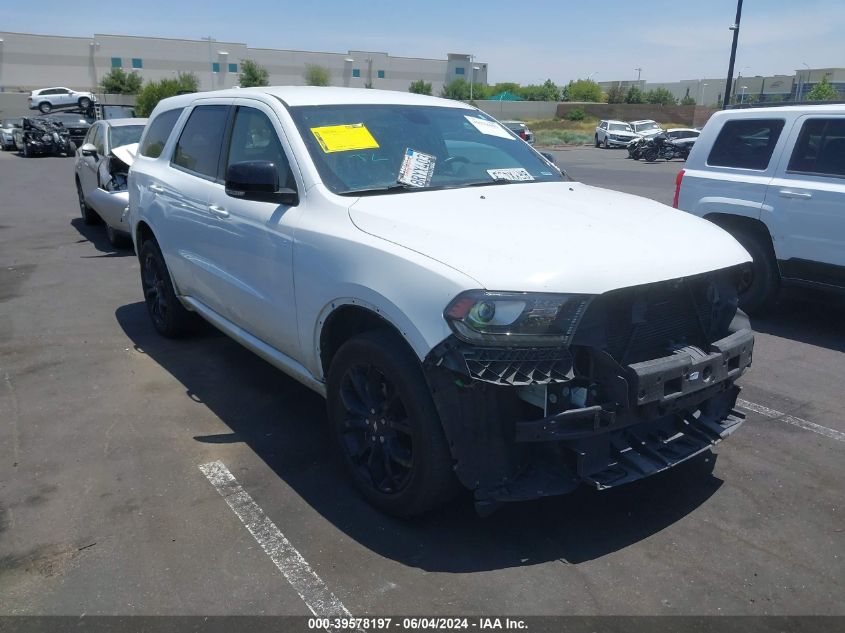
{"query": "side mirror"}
(89, 149)
(258, 180)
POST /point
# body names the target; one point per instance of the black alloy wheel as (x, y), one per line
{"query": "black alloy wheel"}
(387, 427)
(170, 318)
(376, 432)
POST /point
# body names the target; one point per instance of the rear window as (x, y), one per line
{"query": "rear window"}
(160, 129)
(820, 148)
(746, 143)
(198, 149)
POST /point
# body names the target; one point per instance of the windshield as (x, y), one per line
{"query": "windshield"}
(651, 125)
(7, 123)
(620, 127)
(376, 148)
(70, 119)
(124, 135)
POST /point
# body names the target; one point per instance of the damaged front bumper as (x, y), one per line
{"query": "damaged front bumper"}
(527, 423)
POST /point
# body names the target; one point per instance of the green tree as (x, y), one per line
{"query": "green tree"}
(155, 91)
(635, 95)
(119, 82)
(660, 96)
(616, 94)
(505, 86)
(457, 89)
(316, 75)
(822, 91)
(688, 101)
(253, 74)
(585, 90)
(420, 87)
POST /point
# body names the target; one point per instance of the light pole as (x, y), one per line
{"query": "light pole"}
(639, 72)
(735, 28)
(701, 92)
(210, 39)
(472, 79)
(742, 96)
(803, 83)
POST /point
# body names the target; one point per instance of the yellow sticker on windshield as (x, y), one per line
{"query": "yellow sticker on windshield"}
(343, 138)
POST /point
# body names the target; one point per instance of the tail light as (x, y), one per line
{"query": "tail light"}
(678, 180)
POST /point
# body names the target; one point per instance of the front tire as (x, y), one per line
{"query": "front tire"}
(650, 155)
(598, 144)
(45, 106)
(387, 427)
(606, 143)
(170, 318)
(87, 213)
(84, 103)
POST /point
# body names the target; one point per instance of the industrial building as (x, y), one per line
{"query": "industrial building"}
(770, 89)
(29, 61)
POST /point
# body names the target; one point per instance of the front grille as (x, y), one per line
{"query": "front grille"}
(503, 366)
(653, 320)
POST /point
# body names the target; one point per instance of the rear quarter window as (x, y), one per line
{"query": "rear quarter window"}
(746, 143)
(160, 129)
(820, 149)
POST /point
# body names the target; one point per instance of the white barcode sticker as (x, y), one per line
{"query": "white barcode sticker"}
(417, 168)
(491, 128)
(514, 173)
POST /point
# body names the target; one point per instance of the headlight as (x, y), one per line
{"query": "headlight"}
(46, 138)
(515, 318)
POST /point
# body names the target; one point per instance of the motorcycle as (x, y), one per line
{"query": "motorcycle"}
(44, 136)
(635, 147)
(661, 146)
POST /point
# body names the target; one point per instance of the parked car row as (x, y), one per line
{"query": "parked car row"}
(645, 139)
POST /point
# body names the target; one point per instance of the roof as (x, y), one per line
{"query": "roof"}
(122, 122)
(313, 95)
(836, 108)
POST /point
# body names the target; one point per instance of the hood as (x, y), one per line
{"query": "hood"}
(623, 133)
(549, 237)
(126, 153)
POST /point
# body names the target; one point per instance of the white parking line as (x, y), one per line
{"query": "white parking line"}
(310, 587)
(783, 417)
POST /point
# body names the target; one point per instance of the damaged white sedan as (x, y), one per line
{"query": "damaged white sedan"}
(472, 316)
(102, 168)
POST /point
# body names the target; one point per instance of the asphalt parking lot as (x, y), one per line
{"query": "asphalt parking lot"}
(104, 426)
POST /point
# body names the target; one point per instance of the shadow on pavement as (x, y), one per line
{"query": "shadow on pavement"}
(807, 316)
(96, 234)
(285, 424)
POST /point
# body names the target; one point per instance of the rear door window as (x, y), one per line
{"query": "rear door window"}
(746, 143)
(198, 149)
(159, 131)
(820, 148)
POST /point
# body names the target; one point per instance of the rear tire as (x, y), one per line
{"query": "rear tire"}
(387, 427)
(45, 106)
(170, 318)
(761, 290)
(650, 155)
(116, 239)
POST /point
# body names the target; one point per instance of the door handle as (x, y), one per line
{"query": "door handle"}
(788, 193)
(156, 188)
(220, 212)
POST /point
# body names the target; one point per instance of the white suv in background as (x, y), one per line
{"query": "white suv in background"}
(775, 179)
(46, 99)
(610, 133)
(401, 255)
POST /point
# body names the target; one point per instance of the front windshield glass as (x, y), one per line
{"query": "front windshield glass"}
(620, 127)
(376, 148)
(124, 135)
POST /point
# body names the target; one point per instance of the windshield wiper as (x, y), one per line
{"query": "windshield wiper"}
(379, 190)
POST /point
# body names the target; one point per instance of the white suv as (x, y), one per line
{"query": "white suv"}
(611, 133)
(470, 314)
(47, 99)
(775, 179)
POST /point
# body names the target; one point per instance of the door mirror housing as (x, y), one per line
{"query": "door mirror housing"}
(258, 180)
(88, 149)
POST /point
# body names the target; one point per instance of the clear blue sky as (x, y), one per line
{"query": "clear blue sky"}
(525, 41)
